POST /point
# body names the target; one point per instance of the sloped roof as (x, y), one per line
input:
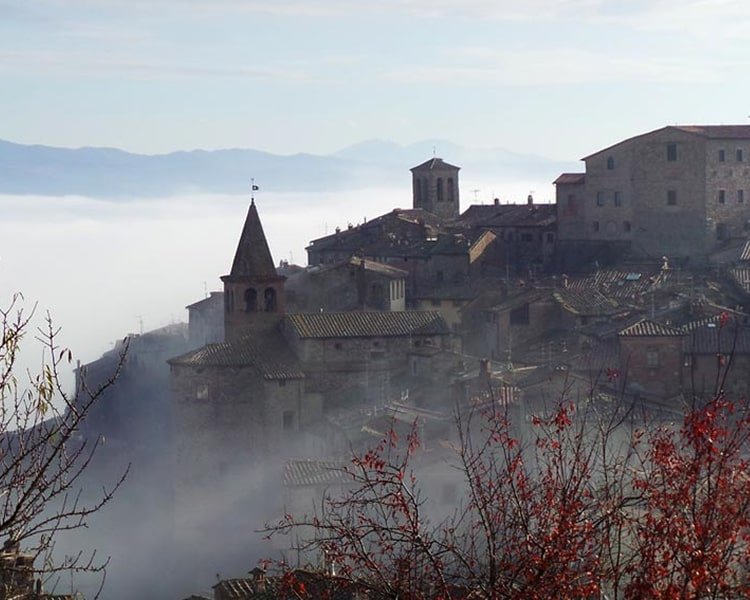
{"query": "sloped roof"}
(235, 589)
(647, 328)
(314, 472)
(718, 340)
(367, 324)
(735, 132)
(585, 302)
(731, 132)
(435, 164)
(253, 258)
(570, 179)
(741, 276)
(508, 215)
(745, 253)
(269, 355)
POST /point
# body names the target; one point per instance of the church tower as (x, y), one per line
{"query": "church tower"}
(435, 188)
(254, 299)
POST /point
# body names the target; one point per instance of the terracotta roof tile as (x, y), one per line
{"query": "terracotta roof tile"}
(646, 328)
(434, 164)
(314, 472)
(570, 178)
(367, 324)
(270, 356)
(235, 589)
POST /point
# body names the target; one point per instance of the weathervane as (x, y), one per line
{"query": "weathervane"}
(253, 188)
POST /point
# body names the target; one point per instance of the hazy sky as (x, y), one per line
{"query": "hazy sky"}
(554, 77)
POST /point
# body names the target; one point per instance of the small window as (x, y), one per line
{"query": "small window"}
(571, 199)
(722, 155)
(626, 226)
(739, 155)
(440, 276)
(596, 226)
(201, 391)
(652, 358)
(740, 196)
(550, 238)
(526, 237)
(671, 197)
(282, 382)
(618, 198)
(337, 345)
(671, 152)
(722, 196)
(600, 198)
(288, 420)
(520, 315)
(610, 163)
(440, 189)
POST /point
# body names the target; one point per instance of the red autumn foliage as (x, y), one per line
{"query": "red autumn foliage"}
(587, 502)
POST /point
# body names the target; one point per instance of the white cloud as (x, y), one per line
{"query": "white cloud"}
(556, 66)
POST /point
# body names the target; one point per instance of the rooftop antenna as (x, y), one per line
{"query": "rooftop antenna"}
(205, 290)
(434, 151)
(475, 192)
(140, 322)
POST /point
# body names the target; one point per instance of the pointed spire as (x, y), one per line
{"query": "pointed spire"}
(253, 258)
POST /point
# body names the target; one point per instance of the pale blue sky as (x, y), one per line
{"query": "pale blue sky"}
(559, 78)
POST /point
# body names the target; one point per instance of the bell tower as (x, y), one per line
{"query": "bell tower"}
(254, 298)
(435, 188)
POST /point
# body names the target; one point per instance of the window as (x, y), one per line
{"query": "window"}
(722, 155)
(671, 152)
(288, 420)
(526, 237)
(451, 193)
(520, 315)
(626, 226)
(440, 189)
(671, 197)
(201, 391)
(740, 196)
(337, 345)
(722, 196)
(652, 358)
(610, 163)
(600, 199)
(251, 300)
(550, 238)
(739, 155)
(440, 276)
(618, 198)
(282, 382)
(596, 226)
(418, 191)
(269, 297)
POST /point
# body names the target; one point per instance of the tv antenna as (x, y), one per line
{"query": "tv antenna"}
(475, 192)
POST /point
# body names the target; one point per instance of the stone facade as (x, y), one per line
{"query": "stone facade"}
(677, 192)
(435, 188)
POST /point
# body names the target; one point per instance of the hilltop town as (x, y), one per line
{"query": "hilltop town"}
(634, 286)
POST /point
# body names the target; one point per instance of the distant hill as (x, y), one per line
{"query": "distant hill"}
(113, 173)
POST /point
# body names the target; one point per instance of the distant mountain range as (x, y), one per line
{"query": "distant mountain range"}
(116, 174)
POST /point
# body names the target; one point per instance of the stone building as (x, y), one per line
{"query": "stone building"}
(251, 401)
(678, 191)
(435, 188)
(353, 284)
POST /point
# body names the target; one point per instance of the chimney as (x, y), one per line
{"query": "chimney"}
(565, 282)
(497, 201)
(530, 200)
(259, 579)
(484, 372)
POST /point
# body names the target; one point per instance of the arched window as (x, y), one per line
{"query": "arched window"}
(424, 191)
(451, 193)
(251, 300)
(440, 189)
(610, 163)
(269, 296)
(418, 191)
